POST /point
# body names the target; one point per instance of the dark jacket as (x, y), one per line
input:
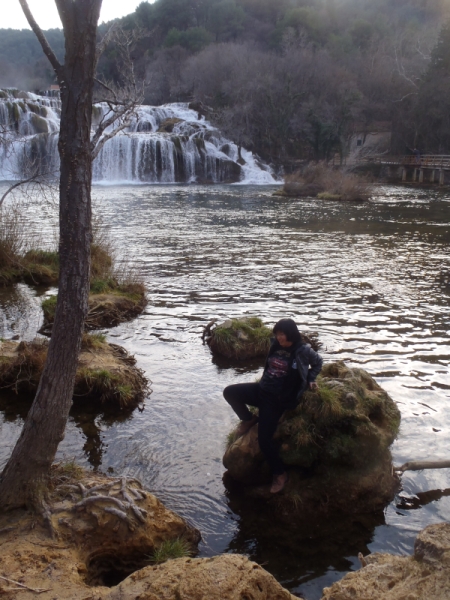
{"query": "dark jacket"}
(309, 364)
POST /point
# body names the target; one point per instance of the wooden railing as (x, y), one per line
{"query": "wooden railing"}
(426, 161)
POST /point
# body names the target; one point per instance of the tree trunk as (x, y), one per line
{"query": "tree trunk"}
(23, 481)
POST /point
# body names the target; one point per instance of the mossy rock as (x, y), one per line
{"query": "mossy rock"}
(106, 376)
(329, 196)
(240, 338)
(36, 267)
(40, 125)
(244, 338)
(301, 190)
(109, 305)
(342, 429)
(168, 124)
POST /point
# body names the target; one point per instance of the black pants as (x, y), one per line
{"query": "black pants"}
(241, 394)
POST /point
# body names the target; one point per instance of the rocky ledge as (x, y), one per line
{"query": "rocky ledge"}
(107, 534)
(426, 574)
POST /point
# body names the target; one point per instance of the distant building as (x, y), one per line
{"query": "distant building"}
(373, 139)
(54, 88)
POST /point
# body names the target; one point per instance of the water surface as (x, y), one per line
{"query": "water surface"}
(373, 279)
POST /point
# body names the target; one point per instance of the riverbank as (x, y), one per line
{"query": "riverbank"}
(108, 539)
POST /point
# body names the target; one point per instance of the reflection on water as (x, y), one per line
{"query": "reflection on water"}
(373, 279)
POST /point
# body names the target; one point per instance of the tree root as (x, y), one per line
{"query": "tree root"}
(117, 497)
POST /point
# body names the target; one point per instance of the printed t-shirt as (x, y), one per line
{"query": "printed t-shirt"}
(277, 370)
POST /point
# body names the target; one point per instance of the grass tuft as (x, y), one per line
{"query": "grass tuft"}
(169, 550)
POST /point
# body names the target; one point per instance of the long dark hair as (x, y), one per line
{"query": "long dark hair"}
(290, 330)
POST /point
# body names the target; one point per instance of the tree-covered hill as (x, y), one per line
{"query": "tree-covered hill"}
(291, 78)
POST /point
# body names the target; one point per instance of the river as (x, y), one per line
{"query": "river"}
(372, 279)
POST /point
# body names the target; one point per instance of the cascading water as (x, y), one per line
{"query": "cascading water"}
(165, 144)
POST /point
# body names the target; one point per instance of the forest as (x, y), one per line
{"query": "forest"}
(291, 80)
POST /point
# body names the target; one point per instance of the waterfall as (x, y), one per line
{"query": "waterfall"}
(163, 144)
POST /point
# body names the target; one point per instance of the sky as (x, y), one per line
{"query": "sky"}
(46, 15)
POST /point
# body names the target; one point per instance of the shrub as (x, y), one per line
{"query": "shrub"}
(327, 183)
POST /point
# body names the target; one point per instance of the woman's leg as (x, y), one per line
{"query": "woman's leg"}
(241, 394)
(269, 415)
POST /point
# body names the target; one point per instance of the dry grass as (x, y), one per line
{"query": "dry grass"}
(108, 271)
(327, 183)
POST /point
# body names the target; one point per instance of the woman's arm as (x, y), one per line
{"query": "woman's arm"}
(315, 362)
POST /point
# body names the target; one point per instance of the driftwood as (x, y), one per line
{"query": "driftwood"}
(207, 330)
(423, 464)
(22, 586)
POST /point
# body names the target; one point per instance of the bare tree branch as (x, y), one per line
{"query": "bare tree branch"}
(107, 38)
(42, 39)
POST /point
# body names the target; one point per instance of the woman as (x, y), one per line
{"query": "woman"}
(291, 367)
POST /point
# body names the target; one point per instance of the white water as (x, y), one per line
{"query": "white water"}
(194, 151)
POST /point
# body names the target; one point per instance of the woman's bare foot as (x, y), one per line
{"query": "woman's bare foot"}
(245, 426)
(278, 483)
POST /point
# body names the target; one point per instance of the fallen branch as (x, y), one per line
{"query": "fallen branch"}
(420, 465)
(35, 590)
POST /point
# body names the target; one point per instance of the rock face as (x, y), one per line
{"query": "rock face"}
(387, 577)
(340, 434)
(226, 577)
(105, 531)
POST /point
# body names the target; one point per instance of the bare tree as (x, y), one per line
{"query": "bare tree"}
(23, 481)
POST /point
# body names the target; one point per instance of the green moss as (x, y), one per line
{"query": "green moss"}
(111, 386)
(40, 125)
(102, 286)
(93, 341)
(49, 308)
(200, 143)
(170, 549)
(42, 257)
(71, 469)
(329, 196)
(241, 337)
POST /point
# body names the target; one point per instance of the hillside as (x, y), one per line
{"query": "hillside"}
(290, 79)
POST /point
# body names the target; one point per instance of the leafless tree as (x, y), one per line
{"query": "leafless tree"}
(23, 480)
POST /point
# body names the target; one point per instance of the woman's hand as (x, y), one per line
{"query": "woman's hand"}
(313, 385)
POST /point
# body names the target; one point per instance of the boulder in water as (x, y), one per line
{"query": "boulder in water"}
(106, 377)
(339, 435)
(245, 338)
(168, 124)
(424, 575)
(241, 338)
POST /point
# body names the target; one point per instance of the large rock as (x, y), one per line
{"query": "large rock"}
(340, 434)
(387, 577)
(104, 529)
(226, 577)
(105, 533)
